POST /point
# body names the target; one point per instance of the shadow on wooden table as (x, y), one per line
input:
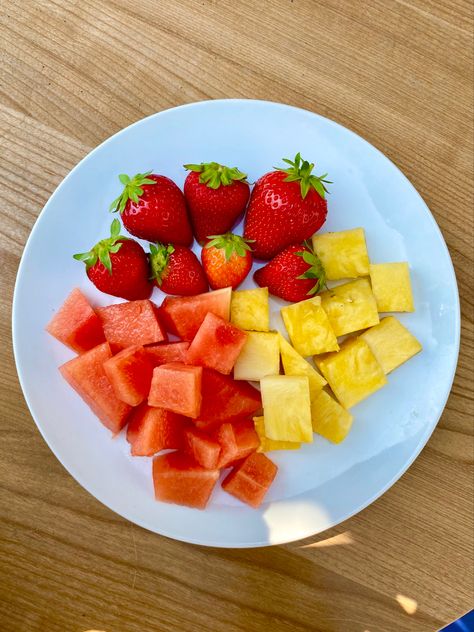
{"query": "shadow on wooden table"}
(330, 581)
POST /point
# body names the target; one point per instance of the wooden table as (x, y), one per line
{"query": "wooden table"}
(73, 73)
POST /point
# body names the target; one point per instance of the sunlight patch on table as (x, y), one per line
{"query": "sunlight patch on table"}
(337, 540)
(407, 603)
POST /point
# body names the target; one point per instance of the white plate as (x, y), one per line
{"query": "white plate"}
(322, 484)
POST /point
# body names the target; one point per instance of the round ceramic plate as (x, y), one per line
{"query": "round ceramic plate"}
(322, 484)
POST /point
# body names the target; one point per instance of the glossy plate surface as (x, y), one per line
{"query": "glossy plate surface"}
(322, 484)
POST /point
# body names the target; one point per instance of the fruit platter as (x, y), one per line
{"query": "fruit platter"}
(236, 343)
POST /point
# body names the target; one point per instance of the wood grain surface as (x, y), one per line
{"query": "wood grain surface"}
(74, 72)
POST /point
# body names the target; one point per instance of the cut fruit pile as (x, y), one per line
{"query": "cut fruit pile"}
(171, 395)
(193, 395)
(181, 395)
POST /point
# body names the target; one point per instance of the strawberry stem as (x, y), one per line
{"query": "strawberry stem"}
(159, 259)
(230, 243)
(302, 171)
(315, 271)
(132, 190)
(103, 249)
(214, 175)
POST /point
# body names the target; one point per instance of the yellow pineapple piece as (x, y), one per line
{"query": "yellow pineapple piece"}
(266, 444)
(343, 254)
(350, 307)
(287, 408)
(391, 343)
(249, 309)
(353, 373)
(309, 328)
(260, 356)
(294, 364)
(392, 287)
(330, 419)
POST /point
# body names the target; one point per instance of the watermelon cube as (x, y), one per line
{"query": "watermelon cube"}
(176, 387)
(76, 325)
(130, 373)
(225, 398)
(150, 430)
(206, 426)
(203, 448)
(183, 315)
(131, 323)
(165, 353)
(237, 441)
(86, 375)
(217, 345)
(178, 479)
(249, 481)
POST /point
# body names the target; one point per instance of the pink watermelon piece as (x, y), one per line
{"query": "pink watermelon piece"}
(183, 315)
(179, 479)
(130, 373)
(202, 448)
(177, 387)
(250, 480)
(86, 375)
(76, 325)
(150, 430)
(165, 353)
(226, 399)
(217, 345)
(131, 323)
(237, 441)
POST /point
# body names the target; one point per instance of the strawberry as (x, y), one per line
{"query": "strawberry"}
(294, 275)
(118, 266)
(177, 270)
(286, 206)
(153, 208)
(226, 260)
(216, 196)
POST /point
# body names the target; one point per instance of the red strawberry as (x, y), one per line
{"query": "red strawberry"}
(287, 206)
(294, 274)
(118, 266)
(226, 260)
(177, 270)
(153, 208)
(216, 197)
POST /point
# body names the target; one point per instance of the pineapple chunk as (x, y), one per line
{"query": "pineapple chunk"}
(287, 408)
(249, 309)
(350, 307)
(391, 286)
(266, 444)
(391, 343)
(294, 364)
(330, 419)
(260, 356)
(343, 254)
(309, 328)
(353, 373)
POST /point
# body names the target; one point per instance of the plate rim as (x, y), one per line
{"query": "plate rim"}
(424, 437)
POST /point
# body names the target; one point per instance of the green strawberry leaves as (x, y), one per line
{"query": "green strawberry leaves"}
(315, 271)
(301, 171)
(231, 244)
(103, 249)
(159, 259)
(214, 175)
(132, 190)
